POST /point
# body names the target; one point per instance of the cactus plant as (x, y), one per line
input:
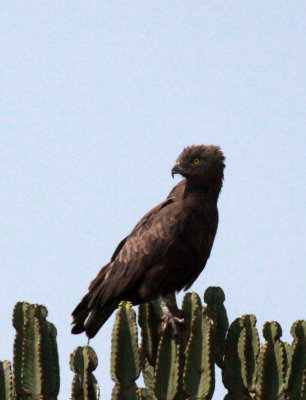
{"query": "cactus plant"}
(6, 381)
(166, 370)
(272, 364)
(231, 373)
(296, 374)
(214, 297)
(36, 369)
(199, 371)
(83, 361)
(248, 348)
(174, 367)
(125, 361)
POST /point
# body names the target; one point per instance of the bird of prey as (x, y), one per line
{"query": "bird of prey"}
(167, 249)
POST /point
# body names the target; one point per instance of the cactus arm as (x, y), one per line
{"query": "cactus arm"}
(296, 373)
(248, 349)
(199, 371)
(6, 381)
(166, 369)
(125, 360)
(214, 297)
(271, 364)
(83, 361)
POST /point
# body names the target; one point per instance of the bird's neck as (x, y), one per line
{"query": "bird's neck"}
(210, 188)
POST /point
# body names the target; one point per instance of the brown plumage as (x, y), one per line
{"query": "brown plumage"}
(167, 249)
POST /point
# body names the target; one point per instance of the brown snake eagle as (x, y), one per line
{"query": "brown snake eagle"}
(167, 249)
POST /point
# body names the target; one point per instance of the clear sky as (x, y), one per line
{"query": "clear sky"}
(98, 98)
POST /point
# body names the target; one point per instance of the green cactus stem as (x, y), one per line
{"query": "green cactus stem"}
(296, 374)
(36, 368)
(166, 369)
(6, 381)
(125, 362)
(248, 349)
(199, 371)
(272, 364)
(149, 319)
(191, 303)
(231, 373)
(83, 361)
(214, 297)
(148, 373)
(121, 392)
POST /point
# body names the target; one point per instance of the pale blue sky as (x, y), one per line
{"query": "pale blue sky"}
(97, 101)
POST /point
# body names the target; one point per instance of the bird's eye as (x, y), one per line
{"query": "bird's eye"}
(196, 161)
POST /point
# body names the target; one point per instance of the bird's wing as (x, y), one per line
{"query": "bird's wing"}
(144, 247)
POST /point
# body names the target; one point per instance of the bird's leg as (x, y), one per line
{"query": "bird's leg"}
(171, 314)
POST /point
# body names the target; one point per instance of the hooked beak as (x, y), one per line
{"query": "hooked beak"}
(176, 169)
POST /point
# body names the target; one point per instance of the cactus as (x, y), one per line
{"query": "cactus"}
(296, 374)
(149, 319)
(272, 364)
(191, 303)
(174, 367)
(166, 370)
(248, 348)
(84, 385)
(231, 373)
(215, 310)
(36, 368)
(199, 371)
(125, 362)
(6, 381)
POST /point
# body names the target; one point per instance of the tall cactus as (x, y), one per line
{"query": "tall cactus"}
(215, 310)
(166, 370)
(83, 361)
(6, 381)
(125, 361)
(248, 348)
(232, 373)
(199, 371)
(296, 374)
(36, 368)
(272, 364)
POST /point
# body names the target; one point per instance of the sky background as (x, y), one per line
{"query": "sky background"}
(97, 101)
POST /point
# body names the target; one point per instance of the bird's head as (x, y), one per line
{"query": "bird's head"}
(200, 162)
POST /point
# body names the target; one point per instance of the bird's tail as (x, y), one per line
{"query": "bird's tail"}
(91, 320)
(91, 313)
